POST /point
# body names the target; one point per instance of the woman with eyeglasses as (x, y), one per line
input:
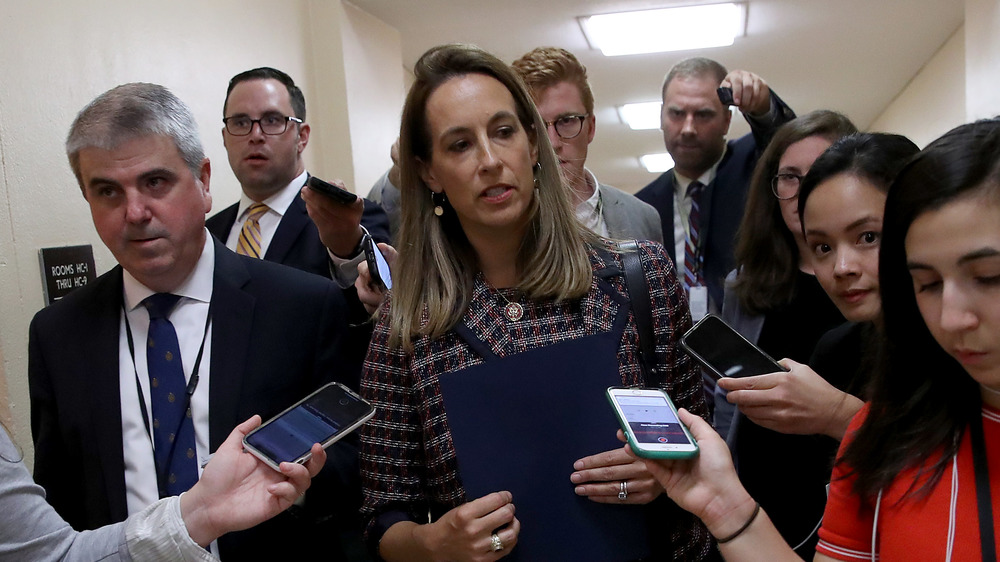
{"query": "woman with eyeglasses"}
(804, 413)
(506, 323)
(775, 301)
(918, 473)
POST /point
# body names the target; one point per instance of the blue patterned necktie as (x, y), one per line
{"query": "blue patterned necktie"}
(173, 428)
(692, 255)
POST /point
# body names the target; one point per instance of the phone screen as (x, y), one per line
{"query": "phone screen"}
(316, 419)
(378, 268)
(723, 350)
(651, 419)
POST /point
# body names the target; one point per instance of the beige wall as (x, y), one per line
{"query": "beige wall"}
(982, 46)
(934, 100)
(959, 84)
(58, 55)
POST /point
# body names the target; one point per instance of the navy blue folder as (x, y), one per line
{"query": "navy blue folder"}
(519, 424)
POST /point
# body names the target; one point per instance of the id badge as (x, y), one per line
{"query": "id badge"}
(698, 302)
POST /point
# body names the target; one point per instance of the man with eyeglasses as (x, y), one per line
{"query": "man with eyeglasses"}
(265, 133)
(277, 219)
(558, 84)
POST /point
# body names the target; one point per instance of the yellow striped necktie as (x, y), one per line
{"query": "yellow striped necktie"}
(250, 238)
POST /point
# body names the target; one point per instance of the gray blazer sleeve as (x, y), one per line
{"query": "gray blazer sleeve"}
(629, 218)
(30, 529)
(749, 325)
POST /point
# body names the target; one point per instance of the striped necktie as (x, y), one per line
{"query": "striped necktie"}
(692, 252)
(250, 238)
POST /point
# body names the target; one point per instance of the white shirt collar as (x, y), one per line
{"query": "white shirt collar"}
(278, 203)
(198, 284)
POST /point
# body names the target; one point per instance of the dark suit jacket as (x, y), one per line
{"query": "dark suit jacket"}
(722, 202)
(296, 244)
(296, 241)
(276, 336)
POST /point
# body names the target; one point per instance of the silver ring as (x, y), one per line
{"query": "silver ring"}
(623, 494)
(496, 545)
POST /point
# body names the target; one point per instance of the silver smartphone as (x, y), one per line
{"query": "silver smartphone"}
(323, 417)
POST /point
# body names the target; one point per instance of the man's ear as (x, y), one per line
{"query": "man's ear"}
(593, 127)
(204, 178)
(303, 139)
(427, 175)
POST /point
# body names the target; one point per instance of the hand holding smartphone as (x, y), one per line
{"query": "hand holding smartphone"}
(323, 417)
(651, 425)
(332, 191)
(378, 267)
(724, 352)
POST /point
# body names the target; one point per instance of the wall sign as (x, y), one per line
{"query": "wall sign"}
(65, 269)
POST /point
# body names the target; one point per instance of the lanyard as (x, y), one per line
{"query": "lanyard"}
(189, 391)
(983, 498)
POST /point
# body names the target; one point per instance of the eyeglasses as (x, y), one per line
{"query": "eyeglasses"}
(785, 186)
(270, 124)
(567, 126)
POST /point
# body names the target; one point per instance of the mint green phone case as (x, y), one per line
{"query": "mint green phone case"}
(645, 453)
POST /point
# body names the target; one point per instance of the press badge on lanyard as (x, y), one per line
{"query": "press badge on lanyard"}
(698, 301)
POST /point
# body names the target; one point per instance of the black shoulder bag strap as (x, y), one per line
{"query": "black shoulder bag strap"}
(638, 294)
(983, 498)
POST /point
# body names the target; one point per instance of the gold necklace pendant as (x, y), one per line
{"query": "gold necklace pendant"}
(513, 311)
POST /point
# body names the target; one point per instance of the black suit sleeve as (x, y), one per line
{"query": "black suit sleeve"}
(56, 469)
(376, 221)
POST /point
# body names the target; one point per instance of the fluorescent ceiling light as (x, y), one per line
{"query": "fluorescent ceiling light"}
(668, 29)
(657, 163)
(645, 115)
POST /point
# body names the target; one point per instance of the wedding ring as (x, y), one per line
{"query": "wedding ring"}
(495, 543)
(623, 494)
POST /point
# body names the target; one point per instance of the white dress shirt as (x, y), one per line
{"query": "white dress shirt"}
(277, 205)
(189, 318)
(682, 210)
(590, 211)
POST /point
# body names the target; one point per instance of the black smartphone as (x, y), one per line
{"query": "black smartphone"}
(338, 194)
(378, 268)
(725, 96)
(724, 352)
(323, 417)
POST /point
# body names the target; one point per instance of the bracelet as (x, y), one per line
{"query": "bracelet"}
(753, 516)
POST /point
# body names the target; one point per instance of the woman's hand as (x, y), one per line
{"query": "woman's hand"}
(463, 533)
(369, 294)
(798, 401)
(599, 477)
(237, 491)
(706, 485)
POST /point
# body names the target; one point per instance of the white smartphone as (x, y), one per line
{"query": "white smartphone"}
(649, 419)
(323, 417)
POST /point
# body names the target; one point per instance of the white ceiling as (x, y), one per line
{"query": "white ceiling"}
(850, 55)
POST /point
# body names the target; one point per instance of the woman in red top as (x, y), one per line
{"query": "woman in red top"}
(919, 471)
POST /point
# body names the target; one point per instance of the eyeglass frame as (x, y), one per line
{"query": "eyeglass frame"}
(777, 179)
(581, 117)
(286, 120)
